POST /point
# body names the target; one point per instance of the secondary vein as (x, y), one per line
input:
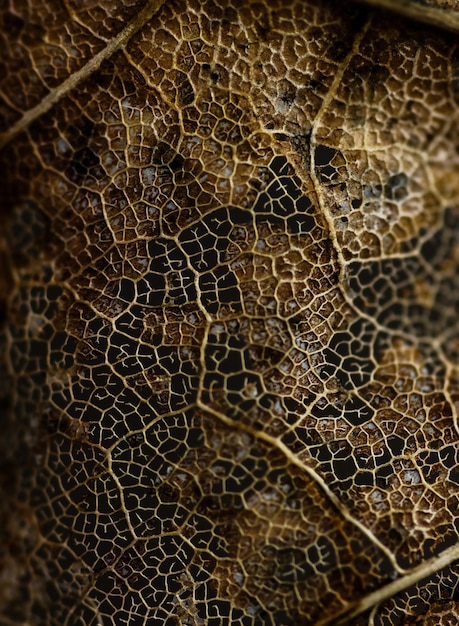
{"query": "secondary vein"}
(425, 570)
(151, 7)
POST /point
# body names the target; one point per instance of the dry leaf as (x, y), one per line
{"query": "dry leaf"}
(230, 381)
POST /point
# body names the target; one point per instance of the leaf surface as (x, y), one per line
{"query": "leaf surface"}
(231, 297)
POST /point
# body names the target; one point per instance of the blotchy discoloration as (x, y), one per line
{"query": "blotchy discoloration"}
(231, 339)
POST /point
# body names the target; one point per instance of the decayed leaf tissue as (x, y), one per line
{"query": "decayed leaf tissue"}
(229, 249)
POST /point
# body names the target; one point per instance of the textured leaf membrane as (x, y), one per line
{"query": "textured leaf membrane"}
(230, 291)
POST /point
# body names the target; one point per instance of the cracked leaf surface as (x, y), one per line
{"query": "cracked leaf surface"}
(230, 348)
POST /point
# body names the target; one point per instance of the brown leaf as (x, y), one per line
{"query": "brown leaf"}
(230, 381)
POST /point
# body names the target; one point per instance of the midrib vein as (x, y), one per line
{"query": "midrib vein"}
(151, 7)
